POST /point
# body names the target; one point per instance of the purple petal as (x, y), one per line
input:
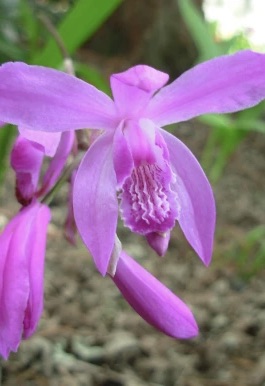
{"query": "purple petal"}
(49, 141)
(22, 247)
(26, 160)
(14, 282)
(2, 124)
(221, 85)
(40, 98)
(154, 302)
(195, 196)
(122, 157)
(36, 251)
(95, 201)
(133, 88)
(58, 162)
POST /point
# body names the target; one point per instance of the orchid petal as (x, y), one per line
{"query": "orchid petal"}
(58, 161)
(132, 89)
(22, 249)
(40, 98)
(37, 245)
(14, 282)
(154, 302)
(26, 160)
(49, 141)
(122, 157)
(221, 85)
(195, 196)
(95, 201)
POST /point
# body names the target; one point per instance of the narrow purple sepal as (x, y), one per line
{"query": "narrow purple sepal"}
(154, 302)
(26, 160)
(122, 157)
(195, 198)
(22, 250)
(224, 84)
(37, 248)
(45, 99)
(95, 201)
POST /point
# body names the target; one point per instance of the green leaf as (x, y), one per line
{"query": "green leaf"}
(30, 22)
(199, 31)
(10, 50)
(85, 17)
(215, 120)
(6, 136)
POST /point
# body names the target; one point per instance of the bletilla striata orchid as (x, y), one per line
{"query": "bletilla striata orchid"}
(136, 167)
(27, 157)
(157, 178)
(22, 254)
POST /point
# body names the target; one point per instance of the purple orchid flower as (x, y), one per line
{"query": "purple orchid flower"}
(158, 179)
(22, 252)
(27, 159)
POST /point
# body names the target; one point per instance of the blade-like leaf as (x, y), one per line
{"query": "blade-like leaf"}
(199, 30)
(79, 24)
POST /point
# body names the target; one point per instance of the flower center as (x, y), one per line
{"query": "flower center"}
(149, 201)
(146, 200)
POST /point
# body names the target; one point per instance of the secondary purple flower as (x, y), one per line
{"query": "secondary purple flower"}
(26, 160)
(153, 301)
(27, 156)
(48, 141)
(158, 179)
(22, 252)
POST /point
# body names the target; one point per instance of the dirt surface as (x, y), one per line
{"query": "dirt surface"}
(89, 336)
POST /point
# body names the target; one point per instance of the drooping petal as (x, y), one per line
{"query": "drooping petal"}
(195, 196)
(41, 216)
(40, 98)
(154, 302)
(14, 282)
(58, 162)
(2, 124)
(132, 89)
(26, 160)
(95, 201)
(49, 141)
(221, 85)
